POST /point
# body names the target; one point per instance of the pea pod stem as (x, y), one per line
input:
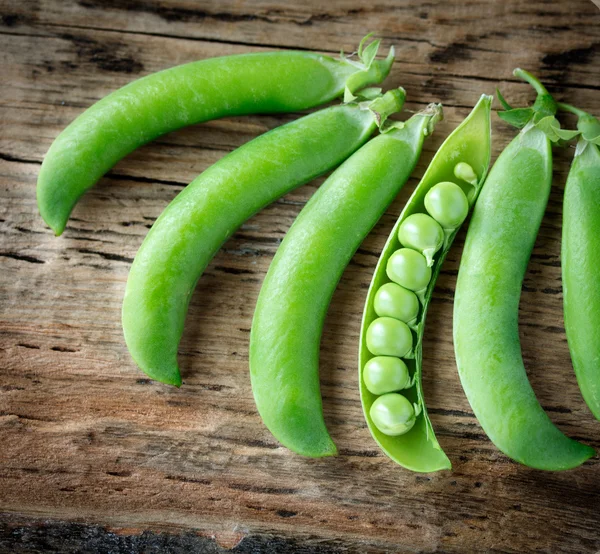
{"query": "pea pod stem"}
(572, 109)
(184, 95)
(544, 105)
(205, 214)
(532, 80)
(587, 125)
(418, 449)
(540, 115)
(293, 301)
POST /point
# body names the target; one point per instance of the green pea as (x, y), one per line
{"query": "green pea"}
(393, 414)
(395, 301)
(423, 233)
(389, 337)
(447, 203)
(386, 374)
(409, 269)
(465, 172)
(497, 248)
(187, 94)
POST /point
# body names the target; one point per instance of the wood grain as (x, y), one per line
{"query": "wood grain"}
(95, 457)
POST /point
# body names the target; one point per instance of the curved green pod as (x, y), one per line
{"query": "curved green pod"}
(188, 94)
(418, 449)
(580, 255)
(293, 301)
(205, 214)
(498, 245)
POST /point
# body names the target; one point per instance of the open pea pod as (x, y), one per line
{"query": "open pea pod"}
(463, 159)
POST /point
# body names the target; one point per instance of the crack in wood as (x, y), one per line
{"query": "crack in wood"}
(62, 349)
(4, 413)
(262, 490)
(11, 158)
(184, 479)
(106, 255)
(31, 346)
(180, 37)
(22, 257)
(137, 179)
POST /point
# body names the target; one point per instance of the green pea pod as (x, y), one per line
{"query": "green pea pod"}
(498, 245)
(293, 301)
(580, 252)
(462, 161)
(205, 214)
(185, 95)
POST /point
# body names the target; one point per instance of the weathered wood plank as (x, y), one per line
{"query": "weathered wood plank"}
(450, 33)
(88, 441)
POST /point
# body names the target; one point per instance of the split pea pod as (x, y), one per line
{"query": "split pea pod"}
(498, 245)
(188, 94)
(293, 301)
(580, 259)
(390, 355)
(205, 214)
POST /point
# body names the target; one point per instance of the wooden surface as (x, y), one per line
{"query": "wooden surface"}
(95, 457)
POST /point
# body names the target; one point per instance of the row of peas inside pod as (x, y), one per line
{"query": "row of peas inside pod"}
(398, 302)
